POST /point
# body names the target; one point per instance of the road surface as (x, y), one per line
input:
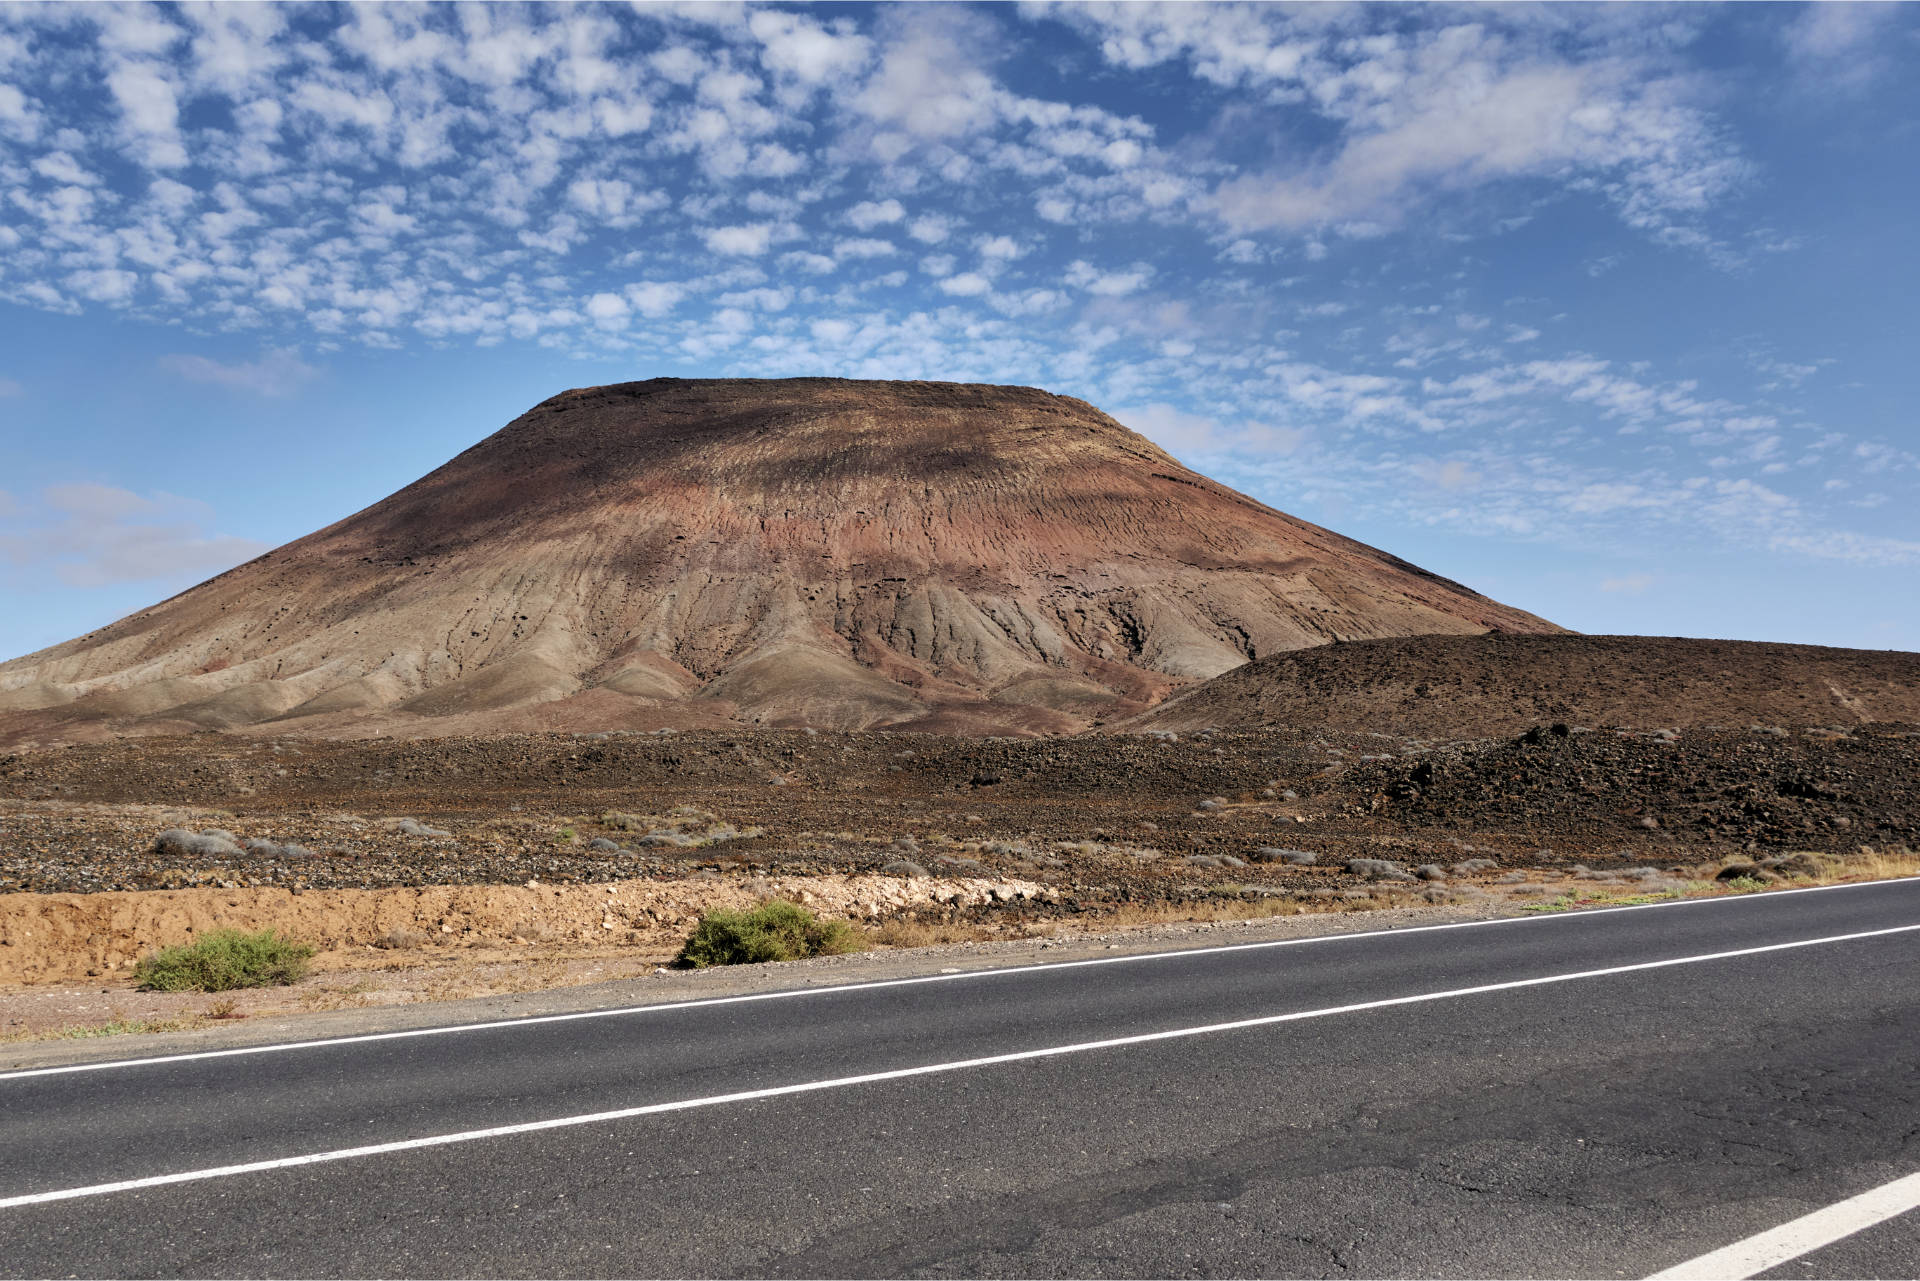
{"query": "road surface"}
(1601, 1094)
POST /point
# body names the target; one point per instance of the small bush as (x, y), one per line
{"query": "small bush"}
(1795, 864)
(262, 848)
(400, 938)
(1374, 868)
(1275, 854)
(904, 867)
(774, 931)
(212, 843)
(224, 960)
(414, 827)
(603, 845)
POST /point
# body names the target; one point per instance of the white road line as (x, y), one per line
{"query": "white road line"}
(898, 1074)
(662, 1007)
(1804, 1235)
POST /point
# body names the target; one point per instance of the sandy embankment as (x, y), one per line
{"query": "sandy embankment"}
(47, 938)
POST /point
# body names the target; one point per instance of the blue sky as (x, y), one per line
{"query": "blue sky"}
(1608, 312)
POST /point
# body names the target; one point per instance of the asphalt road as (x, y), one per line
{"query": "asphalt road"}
(1532, 1118)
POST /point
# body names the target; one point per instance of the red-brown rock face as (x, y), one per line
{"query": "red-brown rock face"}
(804, 551)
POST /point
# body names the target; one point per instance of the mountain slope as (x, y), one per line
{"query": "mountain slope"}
(803, 551)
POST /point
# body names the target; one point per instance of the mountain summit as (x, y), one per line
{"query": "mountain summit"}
(808, 551)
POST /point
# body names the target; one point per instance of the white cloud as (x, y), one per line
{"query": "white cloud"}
(61, 167)
(608, 311)
(869, 214)
(278, 373)
(811, 263)
(602, 197)
(799, 47)
(1054, 209)
(1461, 102)
(1108, 284)
(967, 284)
(930, 229)
(929, 84)
(654, 299)
(150, 112)
(748, 240)
(1473, 125)
(16, 116)
(999, 249)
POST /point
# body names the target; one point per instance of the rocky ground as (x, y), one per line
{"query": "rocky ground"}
(1151, 813)
(107, 850)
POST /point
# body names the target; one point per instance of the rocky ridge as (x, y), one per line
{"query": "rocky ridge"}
(1475, 686)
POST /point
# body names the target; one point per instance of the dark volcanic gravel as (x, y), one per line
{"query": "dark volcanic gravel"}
(1127, 817)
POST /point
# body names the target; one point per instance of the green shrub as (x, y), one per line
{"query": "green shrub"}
(774, 931)
(223, 960)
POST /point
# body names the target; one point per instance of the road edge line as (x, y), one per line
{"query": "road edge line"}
(1764, 1251)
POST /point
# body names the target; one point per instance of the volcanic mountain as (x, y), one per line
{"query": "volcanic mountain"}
(816, 552)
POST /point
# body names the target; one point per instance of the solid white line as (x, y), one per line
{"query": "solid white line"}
(281, 1047)
(897, 1074)
(1804, 1235)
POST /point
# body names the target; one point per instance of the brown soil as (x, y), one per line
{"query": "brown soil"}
(960, 559)
(49, 937)
(1462, 686)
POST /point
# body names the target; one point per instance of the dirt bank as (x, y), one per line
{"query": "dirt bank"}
(48, 938)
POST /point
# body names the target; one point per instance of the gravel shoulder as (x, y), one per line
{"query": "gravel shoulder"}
(650, 984)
